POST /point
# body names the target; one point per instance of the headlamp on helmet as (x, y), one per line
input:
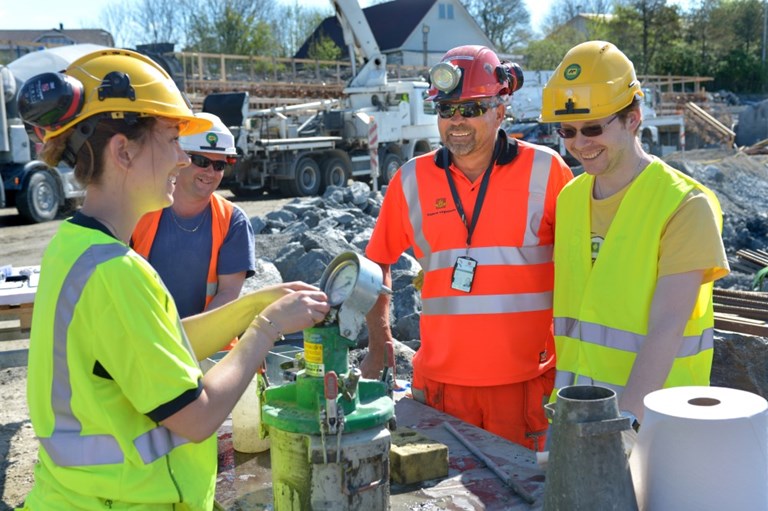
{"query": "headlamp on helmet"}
(445, 76)
(472, 72)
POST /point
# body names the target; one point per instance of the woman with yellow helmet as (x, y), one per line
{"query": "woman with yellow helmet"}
(637, 245)
(125, 417)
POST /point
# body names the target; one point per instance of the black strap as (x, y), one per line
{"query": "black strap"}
(480, 196)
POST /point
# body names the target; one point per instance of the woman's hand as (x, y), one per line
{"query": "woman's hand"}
(302, 306)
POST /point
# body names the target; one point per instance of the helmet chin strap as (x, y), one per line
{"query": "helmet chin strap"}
(82, 132)
(85, 129)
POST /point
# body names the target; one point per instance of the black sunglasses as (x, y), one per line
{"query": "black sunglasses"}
(467, 109)
(595, 130)
(203, 162)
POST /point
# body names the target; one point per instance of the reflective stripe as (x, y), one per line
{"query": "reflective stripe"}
(487, 304)
(67, 446)
(542, 162)
(487, 256)
(626, 341)
(411, 194)
(530, 253)
(156, 443)
(566, 379)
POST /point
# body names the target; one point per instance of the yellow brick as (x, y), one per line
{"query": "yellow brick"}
(414, 457)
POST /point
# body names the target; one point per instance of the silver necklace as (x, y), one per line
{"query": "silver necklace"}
(178, 224)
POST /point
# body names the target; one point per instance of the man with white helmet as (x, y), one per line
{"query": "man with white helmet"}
(202, 246)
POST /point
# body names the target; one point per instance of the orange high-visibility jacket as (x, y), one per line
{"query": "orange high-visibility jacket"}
(221, 211)
(500, 332)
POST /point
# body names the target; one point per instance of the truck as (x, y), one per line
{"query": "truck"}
(659, 134)
(37, 190)
(367, 133)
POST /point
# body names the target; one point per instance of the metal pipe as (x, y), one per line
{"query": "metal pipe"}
(506, 478)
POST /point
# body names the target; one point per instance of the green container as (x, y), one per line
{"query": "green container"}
(297, 407)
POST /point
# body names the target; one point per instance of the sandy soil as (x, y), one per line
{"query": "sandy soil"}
(23, 245)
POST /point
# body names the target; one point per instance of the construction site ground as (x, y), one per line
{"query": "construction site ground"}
(740, 181)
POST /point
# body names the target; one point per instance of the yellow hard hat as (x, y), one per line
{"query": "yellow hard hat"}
(594, 80)
(111, 81)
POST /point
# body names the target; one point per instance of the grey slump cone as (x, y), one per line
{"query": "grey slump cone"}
(588, 469)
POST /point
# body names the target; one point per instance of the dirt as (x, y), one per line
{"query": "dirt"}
(23, 245)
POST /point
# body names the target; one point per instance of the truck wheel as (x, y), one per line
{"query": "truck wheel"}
(245, 192)
(336, 171)
(389, 166)
(38, 201)
(306, 180)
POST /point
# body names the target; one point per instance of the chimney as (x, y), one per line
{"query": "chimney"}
(61, 26)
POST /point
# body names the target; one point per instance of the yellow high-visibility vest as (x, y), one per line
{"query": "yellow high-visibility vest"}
(601, 312)
(107, 351)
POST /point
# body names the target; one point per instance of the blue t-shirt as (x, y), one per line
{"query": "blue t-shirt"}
(181, 254)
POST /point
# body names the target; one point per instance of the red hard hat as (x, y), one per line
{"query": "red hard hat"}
(472, 72)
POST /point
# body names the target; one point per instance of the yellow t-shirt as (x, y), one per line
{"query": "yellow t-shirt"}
(691, 238)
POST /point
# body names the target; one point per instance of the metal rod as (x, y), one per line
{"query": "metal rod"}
(506, 478)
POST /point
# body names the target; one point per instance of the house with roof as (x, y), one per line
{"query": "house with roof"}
(409, 32)
(15, 43)
(586, 22)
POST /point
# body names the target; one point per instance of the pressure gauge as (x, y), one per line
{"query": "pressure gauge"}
(352, 284)
(341, 282)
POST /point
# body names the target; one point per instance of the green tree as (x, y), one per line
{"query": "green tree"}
(645, 29)
(239, 27)
(295, 23)
(506, 23)
(563, 11)
(548, 52)
(323, 48)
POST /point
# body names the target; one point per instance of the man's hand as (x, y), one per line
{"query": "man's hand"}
(374, 361)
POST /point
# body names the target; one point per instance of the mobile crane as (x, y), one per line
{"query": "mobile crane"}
(301, 149)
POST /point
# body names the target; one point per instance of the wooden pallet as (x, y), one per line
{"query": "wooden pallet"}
(15, 321)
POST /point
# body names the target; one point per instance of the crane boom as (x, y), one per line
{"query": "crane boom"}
(359, 38)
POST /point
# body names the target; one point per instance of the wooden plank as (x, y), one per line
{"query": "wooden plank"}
(744, 312)
(22, 312)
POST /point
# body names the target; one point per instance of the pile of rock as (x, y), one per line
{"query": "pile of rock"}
(298, 241)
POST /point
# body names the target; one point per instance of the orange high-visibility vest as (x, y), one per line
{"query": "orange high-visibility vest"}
(221, 211)
(501, 331)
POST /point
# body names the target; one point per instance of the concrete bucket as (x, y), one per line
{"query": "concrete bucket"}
(588, 468)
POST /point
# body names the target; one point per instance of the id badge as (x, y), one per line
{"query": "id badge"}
(463, 274)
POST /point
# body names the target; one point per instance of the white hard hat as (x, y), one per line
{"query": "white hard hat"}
(217, 139)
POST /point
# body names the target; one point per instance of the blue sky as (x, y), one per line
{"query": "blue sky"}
(15, 14)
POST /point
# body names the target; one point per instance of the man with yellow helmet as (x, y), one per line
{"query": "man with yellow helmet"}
(124, 415)
(637, 245)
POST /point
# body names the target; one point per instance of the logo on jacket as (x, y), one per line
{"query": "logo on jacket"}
(595, 246)
(440, 203)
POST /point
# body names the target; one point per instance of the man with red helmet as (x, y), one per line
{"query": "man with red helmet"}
(479, 215)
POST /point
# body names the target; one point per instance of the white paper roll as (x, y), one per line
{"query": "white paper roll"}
(700, 449)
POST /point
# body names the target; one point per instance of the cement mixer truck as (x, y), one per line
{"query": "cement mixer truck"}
(37, 190)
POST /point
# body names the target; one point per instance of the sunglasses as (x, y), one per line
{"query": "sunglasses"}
(594, 130)
(203, 162)
(467, 109)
